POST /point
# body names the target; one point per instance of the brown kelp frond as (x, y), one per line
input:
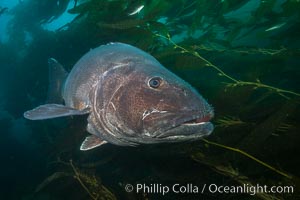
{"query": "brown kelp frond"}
(90, 183)
(235, 82)
(284, 127)
(227, 170)
(249, 156)
(244, 50)
(227, 121)
(123, 24)
(92, 186)
(264, 130)
(51, 178)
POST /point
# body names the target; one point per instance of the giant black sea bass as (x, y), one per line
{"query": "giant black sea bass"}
(129, 97)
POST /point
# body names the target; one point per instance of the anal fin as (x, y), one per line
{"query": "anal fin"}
(91, 142)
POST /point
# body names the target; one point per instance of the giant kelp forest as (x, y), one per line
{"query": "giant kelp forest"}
(241, 55)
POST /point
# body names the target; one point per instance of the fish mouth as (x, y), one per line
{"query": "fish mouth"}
(198, 120)
(189, 128)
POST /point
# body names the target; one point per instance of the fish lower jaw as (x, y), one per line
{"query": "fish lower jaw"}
(198, 120)
(188, 131)
(193, 123)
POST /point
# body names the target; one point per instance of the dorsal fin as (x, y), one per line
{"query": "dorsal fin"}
(57, 77)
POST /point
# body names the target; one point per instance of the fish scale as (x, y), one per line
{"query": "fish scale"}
(129, 97)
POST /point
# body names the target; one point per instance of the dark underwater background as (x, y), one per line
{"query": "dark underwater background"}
(241, 55)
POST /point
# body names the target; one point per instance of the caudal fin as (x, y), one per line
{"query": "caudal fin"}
(57, 77)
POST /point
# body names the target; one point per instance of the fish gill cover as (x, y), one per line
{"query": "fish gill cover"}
(242, 55)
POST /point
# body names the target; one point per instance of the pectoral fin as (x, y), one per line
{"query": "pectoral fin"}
(49, 111)
(91, 142)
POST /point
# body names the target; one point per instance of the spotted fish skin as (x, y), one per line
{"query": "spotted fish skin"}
(130, 99)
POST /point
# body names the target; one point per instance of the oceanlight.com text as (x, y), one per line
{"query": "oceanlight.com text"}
(157, 188)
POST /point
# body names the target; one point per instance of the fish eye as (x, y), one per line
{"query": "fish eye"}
(155, 82)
